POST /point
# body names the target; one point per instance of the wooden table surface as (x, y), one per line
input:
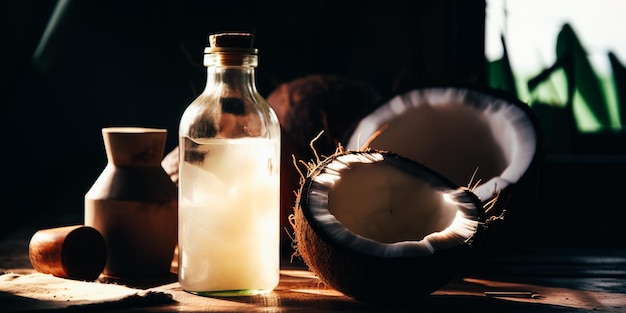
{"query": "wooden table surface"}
(543, 279)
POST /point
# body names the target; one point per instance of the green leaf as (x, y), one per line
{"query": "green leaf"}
(545, 74)
(580, 73)
(500, 72)
(619, 80)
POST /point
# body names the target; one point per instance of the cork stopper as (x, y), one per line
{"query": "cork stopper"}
(232, 40)
(240, 42)
(76, 252)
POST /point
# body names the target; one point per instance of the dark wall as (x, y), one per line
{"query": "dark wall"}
(68, 73)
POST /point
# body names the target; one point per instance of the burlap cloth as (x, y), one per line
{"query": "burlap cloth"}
(37, 291)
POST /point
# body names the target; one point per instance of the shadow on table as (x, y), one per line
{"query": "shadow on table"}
(289, 302)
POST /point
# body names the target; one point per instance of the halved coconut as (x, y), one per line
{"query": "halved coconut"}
(423, 187)
(484, 137)
(382, 228)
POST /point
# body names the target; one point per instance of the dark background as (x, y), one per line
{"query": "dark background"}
(111, 63)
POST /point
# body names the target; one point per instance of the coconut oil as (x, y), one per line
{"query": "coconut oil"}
(229, 193)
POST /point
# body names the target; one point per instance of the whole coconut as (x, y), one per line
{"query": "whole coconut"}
(305, 107)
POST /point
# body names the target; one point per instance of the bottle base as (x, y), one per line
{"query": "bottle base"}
(231, 293)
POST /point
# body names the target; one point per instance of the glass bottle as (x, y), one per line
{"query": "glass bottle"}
(229, 210)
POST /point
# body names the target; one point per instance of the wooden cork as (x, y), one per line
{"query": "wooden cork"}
(231, 49)
(232, 40)
(75, 252)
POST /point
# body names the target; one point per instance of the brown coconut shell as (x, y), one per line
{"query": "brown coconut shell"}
(373, 278)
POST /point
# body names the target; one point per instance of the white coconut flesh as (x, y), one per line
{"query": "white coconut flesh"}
(466, 135)
(383, 205)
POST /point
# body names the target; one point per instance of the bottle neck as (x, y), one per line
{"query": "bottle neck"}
(232, 72)
(230, 59)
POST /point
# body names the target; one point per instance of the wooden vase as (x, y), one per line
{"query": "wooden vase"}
(134, 204)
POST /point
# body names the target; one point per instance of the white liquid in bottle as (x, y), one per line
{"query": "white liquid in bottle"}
(229, 216)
